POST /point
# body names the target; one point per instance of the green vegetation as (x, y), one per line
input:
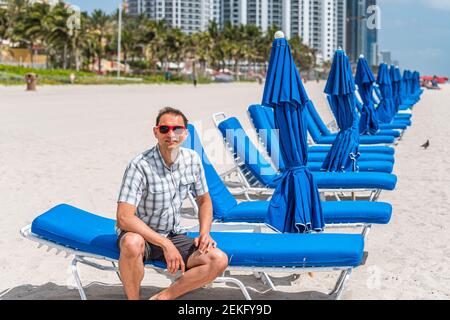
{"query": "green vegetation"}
(11, 75)
(147, 46)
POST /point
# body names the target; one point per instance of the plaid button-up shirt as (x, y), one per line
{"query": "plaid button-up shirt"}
(158, 191)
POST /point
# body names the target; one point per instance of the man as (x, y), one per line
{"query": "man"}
(154, 186)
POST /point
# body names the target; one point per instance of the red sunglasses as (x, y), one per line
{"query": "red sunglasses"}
(176, 129)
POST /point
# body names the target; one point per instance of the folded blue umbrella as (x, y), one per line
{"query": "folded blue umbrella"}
(396, 80)
(407, 98)
(417, 91)
(364, 78)
(401, 86)
(295, 205)
(386, 108)
(340, 89)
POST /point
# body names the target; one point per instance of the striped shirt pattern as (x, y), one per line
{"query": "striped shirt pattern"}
(158, 191)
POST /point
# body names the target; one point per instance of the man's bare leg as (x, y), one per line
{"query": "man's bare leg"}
(203, 268)
(131, 265)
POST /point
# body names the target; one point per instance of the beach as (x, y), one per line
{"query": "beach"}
(71, 144)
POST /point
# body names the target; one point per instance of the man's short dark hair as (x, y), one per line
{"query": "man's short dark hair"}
(170, 110)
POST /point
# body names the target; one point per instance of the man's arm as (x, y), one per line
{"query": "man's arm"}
(127, 220)
(204, 242)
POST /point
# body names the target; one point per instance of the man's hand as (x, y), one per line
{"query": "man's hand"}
(204, 243)
(173, 257)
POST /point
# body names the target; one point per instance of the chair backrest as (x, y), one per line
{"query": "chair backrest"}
(223, 201)
(313, 129)
(245, 153)
(317, 119)
(376, 93)
(263, 120)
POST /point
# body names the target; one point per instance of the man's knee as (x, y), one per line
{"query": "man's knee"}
(132, 245)
(218, 259)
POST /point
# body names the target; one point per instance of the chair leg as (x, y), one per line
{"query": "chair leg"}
(375, 194)
(342, 280)
(117, 270)
(238, 283)
(266, 280)
(77, 278)
(366, 230)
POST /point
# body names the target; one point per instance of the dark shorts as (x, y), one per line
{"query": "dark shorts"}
(182, 242)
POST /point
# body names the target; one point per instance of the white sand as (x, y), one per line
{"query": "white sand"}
(71, 145)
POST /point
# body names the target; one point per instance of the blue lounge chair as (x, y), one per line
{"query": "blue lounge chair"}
(400, 116)
(269, 139)
(91, 239)
(255, 171)
(325, 131)
(320, 133)
(362, 149)
(227, 209)
(262, 119)
(401, 124)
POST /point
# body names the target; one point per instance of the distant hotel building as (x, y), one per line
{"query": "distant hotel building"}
(360, 38)
(188, 15)
(320, 23)
(386, 57)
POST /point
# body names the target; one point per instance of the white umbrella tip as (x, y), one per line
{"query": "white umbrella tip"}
(361, 56)
(279, 34)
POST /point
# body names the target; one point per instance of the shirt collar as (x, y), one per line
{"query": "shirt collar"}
(157, 155)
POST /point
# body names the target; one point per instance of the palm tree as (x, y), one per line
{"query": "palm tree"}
(100, 26)
(34, 27)
(235, 46)
(303, 55)
(175, 45)
(154, 49)
(82, 42)
(217, 54)
(59, 37)
(3, 23)
(15, 11)
(137, 32)
(198, 48)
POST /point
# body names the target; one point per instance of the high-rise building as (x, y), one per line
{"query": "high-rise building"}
(188, 15)
(216, 11)
(371, 40)
(362, 36)
(386, 57)
(320, 23)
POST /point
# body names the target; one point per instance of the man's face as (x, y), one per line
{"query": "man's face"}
(172, 139)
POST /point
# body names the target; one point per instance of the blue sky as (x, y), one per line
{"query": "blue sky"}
(417, 32)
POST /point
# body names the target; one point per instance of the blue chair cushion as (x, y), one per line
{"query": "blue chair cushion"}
(394, 125)
(365, 149)
(334, 212)
(362, 139)
(364, 166)
(90, 233)
(355, 180)
(320, 157)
